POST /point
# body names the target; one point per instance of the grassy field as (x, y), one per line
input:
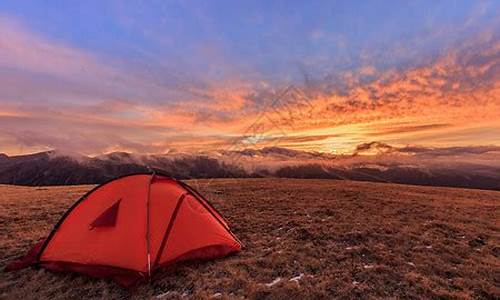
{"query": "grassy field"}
(303, 239)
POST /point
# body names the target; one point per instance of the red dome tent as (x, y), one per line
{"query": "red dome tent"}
(130, 227)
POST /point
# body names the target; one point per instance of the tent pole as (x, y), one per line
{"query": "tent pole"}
(147, 226)
(169, 229)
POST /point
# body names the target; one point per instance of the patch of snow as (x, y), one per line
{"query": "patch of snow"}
(161, 296)
(297, 278)
(368, 266)
(351, 248)
(275, 281)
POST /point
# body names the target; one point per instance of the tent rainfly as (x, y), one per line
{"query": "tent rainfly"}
(130, 227)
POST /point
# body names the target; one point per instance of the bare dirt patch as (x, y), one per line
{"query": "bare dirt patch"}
(303, 239)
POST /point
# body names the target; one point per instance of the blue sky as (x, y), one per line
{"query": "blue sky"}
(270, 39)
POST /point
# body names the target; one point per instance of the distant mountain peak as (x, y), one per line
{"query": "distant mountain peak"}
(116, 154)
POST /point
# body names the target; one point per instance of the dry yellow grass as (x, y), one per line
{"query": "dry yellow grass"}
(303, 239)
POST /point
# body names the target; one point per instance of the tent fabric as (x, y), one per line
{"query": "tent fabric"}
(128, 228)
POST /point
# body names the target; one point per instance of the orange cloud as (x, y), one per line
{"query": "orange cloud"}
(93, 107)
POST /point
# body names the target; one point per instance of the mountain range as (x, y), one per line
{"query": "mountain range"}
(409, 165)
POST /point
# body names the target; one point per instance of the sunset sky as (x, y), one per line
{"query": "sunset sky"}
(156, 76)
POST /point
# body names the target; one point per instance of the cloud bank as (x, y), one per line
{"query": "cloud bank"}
(55, 96)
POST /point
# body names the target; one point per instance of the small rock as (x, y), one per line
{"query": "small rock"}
(478, 242)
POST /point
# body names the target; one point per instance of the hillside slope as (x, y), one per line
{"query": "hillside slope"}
(313, 239)
(54, 168)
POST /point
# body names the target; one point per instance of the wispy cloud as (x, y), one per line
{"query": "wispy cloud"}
(55, 95)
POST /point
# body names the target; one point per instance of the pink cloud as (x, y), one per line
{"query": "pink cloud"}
(24, 50)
